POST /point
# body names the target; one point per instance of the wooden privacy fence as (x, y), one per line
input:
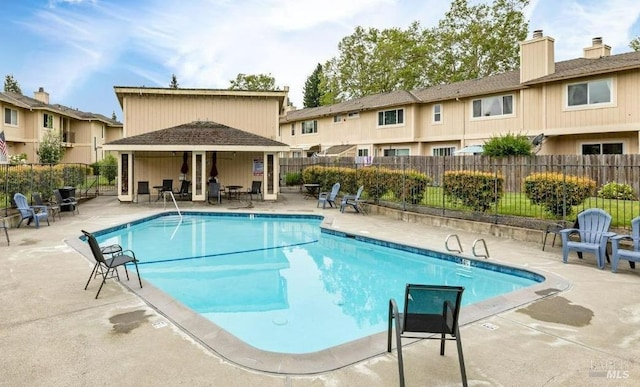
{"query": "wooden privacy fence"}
(602, 169)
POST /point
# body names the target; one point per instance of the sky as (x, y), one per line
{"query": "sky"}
(78, 50)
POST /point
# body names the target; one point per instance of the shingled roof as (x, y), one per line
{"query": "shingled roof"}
(205, 134)
(25, 102)
(507, 81)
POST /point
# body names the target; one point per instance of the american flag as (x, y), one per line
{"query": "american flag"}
(3, 148)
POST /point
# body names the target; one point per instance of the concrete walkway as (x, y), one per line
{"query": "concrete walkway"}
(53, 333)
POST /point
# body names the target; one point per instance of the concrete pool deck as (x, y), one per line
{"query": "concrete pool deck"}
(53, 333)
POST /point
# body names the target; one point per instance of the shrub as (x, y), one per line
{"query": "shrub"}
(617, 191)
(477, 190)
(109, 168)
(558, 193)
(508, 145)
(293, 178)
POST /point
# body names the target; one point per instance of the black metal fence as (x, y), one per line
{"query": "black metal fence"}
(615, 180)
(86, 180)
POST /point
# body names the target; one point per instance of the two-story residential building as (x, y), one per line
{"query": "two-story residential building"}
(26, 121)
(587, 105)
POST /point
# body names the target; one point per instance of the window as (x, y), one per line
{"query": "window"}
(445, 151)
(589, 93)
(353, 115)
(10, 116)
(437, 113)
(293, 129)
(391, 117)
(309, 127)
(396, 152)
(363, 152)
(493, 106)
(614, 148)
(47, 121)
(338, 118)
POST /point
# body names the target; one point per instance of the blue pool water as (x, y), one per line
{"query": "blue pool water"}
(281, 284)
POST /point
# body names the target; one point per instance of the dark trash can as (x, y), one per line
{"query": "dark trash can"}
(65, 193)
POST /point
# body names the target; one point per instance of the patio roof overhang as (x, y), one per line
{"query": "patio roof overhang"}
(193, 148)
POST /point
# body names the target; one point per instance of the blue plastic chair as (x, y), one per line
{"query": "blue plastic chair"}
(593, 229)
(30, 213)
(329, 197)
(353, 201)
(628, 255)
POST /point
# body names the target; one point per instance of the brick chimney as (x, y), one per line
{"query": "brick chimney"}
(537, 57)
(597, 49)
(41, 95)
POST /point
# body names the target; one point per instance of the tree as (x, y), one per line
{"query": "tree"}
(174, 82)
(476, 41)
(635, 43)
(470, 42)
(51, 149)
(508, 145)
(11, 85)
(264, 82)
(373, 61)
(312, 92)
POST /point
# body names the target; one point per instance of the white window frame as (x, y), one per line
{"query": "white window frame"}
(309, 130)
(437, 113)
(13, 116)
(293, 129)
(601, 145)
(443, 151)
(489, 109)
(338, 118)
(47, 120)
(351, 115)
(590, 85)
(402, 151)
(399, 117)
(363, 152)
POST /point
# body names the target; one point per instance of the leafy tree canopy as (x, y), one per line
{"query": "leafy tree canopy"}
(635, 43)
(11, 85)
(263, 82)
(471, 41)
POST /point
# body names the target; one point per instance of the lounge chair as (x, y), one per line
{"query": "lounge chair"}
(30, 213)
(108, 267)
(143, 189)
(353, 201)
(632, 255)
(214, 192)
(167, 186)
(593, 226)
(256, 189)
(428, 309)
(66, 204)
(329, 197)
(183, 193)
(52, 208)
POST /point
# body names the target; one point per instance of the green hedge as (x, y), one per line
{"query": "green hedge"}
(476, 190)
(43, 178)
(409, 184)
(558, 193)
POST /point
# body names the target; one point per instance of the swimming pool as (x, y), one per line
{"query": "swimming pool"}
(281, 284)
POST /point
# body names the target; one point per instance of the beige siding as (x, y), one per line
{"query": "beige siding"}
(622, 114)
(153, 112)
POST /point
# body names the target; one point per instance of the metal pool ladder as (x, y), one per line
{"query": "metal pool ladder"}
(164, 196)
(473, 248)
